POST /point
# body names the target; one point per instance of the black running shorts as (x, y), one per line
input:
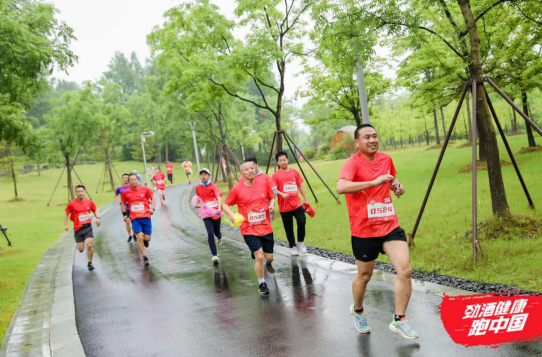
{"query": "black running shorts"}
(256, 242)
(368, 249)
(83, 233)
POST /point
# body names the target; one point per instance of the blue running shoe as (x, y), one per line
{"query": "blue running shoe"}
(360, 321)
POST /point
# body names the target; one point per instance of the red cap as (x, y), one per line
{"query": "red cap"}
(309, 210)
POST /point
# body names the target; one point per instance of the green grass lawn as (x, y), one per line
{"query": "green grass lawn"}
(440, 242)
(34, 227)
(440, 246)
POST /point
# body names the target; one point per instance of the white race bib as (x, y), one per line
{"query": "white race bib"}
(84, 217)
(212, 204)
(160, 182)
(140, 207)
(289, 188)
(255, 218)
(380, 211)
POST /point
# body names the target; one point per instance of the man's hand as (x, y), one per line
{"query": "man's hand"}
(271, 209)
(98, 221)
(381, 180)
(66, 228)
(151, 211)
(125, 218)
(399, 190)
(285, 196)
(232, 218)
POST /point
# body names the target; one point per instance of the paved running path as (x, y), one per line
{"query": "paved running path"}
(183, 306)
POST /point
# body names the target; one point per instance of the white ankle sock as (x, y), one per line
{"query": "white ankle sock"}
(261, 281)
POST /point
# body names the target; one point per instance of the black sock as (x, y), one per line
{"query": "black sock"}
(358, 311)
(398, 317)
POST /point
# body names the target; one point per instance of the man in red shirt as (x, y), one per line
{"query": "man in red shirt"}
(211, 195)
(79, 211)
(255, 201)
(289, 182)
(159, 180)
(138, 197)
(169, 168)
(366, 179)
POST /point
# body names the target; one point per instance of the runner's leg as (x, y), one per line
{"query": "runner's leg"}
(301, 220)
(81, 247)
(397, 251)
(140, 243)
(288, 223)
(216, 228)
(258, 264)
(90, 249)
(359, 285)
(209, 226)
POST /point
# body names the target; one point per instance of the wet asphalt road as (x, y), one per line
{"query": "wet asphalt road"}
(184, 306)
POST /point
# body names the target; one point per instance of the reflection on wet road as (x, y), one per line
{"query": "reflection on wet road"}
(182, 305)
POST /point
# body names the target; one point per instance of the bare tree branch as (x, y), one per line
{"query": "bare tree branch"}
(239, 97)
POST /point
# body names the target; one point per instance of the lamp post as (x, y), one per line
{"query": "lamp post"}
(145, 134)
(193, 126)
(362, 94)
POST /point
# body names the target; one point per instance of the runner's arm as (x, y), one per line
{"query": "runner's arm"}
(272, 205)
(66, 222)
(98, 219)
(117, 198)
(123, 206)
(346, 186)
(228, 211)
(303, 193)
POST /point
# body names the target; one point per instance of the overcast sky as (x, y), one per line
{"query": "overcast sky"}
(105, 26)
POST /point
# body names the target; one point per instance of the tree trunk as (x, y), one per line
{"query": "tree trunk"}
(443, 123)
(167, 151)
(528, 129)
(224, 151)
(436, 126)
(487, 136)
(69, 174)
(467, 131)
(12, 169)
(426, 133)
(357, 117)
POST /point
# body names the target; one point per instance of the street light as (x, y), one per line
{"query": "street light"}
(145, 134)
(193, 126)
(362, 94)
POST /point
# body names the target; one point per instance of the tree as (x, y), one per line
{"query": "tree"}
(33, 43)
(129, 74)
(196, 40)
(70, 123)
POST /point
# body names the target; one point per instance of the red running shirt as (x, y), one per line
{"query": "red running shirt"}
(210, 195)
(80, 212)
(288, 182)
(138, 199)
(169, 168)
(253, 205)
(371, 211)
(159, 181)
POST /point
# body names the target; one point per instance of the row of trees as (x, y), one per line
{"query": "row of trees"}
(235, 86)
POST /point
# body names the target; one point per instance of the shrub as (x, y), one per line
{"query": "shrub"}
(310, 154)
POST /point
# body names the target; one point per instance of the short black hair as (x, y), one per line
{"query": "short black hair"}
(125, 175)
(279, 154)
(251, 159)
(132, 174)
(356, 133)
(84, 188)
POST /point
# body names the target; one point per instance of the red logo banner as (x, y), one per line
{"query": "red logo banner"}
(490, 320)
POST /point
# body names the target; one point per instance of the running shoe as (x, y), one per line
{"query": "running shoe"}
(135, 238)
(215, 259)
(162, 203)
(220, 241)
(164, 197)
(301, 247)
(295, 251)
(90, 266)
(360, 321)
(146, 243)
(129, 239)
(263, 289)
(145, 261)
(403, 328)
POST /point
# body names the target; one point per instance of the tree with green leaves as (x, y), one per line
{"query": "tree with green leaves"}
(33, 43)
(128, 73)
(197, 41)
(70, 125)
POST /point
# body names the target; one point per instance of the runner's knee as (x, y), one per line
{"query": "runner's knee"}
(404, 272)
(81, 249)
(364, 277)
(259, 256)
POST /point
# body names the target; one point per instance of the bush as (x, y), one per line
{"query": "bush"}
(344, 149)
(309, 154)
(323, 150)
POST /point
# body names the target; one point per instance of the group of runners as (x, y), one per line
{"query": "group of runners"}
(366, 179)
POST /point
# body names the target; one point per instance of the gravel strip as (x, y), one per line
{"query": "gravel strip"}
(431, 277)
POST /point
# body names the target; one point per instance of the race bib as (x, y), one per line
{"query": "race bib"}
(379, 210)
(84, 217)
(256, 218)
(289, 188)
(140, 207)
(160, 182)
(212, 204)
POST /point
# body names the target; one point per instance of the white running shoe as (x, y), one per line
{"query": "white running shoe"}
(220, 242)
(302, 248)
(295, 251)
(215, 259)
